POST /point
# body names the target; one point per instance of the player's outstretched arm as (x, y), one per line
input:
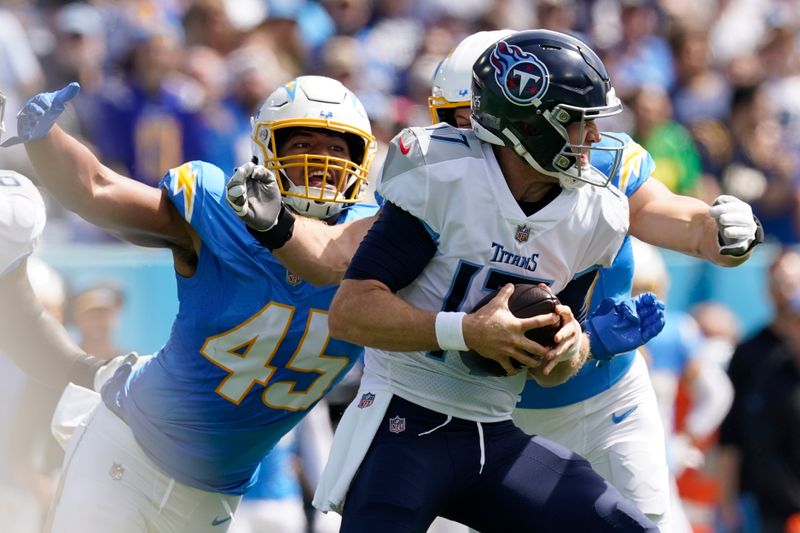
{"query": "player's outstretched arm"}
(35, 341)
(723, 234)
(310, 248)
(82, 184)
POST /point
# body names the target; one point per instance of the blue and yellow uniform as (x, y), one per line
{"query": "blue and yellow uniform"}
(248, 355)
(612, 282)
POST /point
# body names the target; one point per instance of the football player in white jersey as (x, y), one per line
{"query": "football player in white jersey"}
(33, 339)
(564, 413)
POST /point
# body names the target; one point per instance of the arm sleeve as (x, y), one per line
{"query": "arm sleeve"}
(394, 251)
(576, 293)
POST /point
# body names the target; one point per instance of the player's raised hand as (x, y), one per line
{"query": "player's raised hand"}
(495, 333)
(254, 195)
(39, 114)
(618, 327)
(737, 228)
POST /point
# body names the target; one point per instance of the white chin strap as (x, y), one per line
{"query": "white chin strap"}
(313, 208)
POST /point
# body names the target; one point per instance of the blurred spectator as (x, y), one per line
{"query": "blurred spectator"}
(150, 125)
(775, 431)
(35, 456)
(701, 92)
(670, 144)
(737, 28)
(558, 15)
(253, 73)
(208, 23)
(79, 55)
(642, 56)
(219, 126)
(95, 313)
(751, 364)
(674, 360)
(761, 171)
(348, 16)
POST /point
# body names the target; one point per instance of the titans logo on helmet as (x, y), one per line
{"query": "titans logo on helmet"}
(523, 78)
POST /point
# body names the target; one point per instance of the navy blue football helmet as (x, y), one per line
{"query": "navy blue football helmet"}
(528, 87)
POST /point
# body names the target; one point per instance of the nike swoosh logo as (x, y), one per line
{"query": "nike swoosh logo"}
(218, 521)
(403, 148)
(619, 418)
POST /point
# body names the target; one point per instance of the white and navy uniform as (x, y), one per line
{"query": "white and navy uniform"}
(608, 412)
(428, 435)
(22, 219)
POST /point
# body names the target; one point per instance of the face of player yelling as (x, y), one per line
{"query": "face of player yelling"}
(315, 142)
(585, 135)
(461, 115)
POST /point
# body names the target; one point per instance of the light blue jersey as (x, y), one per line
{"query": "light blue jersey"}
(248, 356)
(613, 282)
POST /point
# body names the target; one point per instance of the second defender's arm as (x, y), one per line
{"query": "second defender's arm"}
(681, 223)
(320, 253)
(81, 183)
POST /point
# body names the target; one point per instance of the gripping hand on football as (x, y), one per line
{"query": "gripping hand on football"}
(616, 328)
(495, 333)
(39, 114)
(737, 228)
(254, 195)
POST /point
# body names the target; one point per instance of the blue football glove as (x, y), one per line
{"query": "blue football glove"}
(618, 327)
(39, 114)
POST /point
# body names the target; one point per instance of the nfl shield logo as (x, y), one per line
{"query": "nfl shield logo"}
(397, 424)
(366, 400)
(522, 233)
(116, 471)
(293, 279)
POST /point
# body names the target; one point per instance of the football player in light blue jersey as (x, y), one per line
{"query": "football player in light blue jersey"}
(608, 412)
(178, 439)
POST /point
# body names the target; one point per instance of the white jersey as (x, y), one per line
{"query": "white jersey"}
(22, 218)
(452, 182)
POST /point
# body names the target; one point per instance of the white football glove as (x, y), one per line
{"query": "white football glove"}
(736, 226)
(254, 195)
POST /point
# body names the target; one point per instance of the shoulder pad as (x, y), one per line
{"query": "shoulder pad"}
(418, 146)
(188, 185)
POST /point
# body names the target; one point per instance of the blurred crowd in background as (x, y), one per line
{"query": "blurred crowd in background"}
(711, 90)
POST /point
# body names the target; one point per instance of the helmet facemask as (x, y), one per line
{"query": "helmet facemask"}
(326, 183)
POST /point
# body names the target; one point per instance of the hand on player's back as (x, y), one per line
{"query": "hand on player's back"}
(495, 333)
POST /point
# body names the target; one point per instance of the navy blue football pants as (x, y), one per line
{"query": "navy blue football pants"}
(526, 484)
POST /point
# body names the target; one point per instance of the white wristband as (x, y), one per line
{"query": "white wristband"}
(448, 331)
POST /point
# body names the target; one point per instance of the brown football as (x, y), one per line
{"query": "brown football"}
(527, 300)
